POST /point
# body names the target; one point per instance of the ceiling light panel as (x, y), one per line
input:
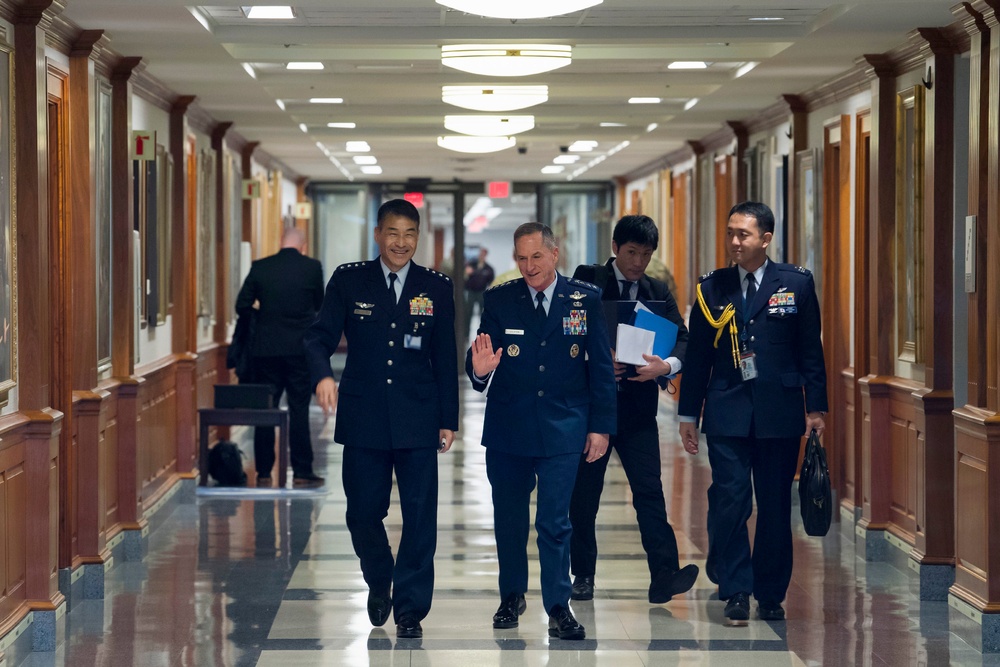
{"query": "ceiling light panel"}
(371, 170)
(489, 126)
(365, 159)
(519, 9)
(326, 100)
(342, 126)
(304, 66)
(358, 147)
(506, 60)
(467, 144)
(270, 12)
(494, 98)
(644, 100)
(688, 64)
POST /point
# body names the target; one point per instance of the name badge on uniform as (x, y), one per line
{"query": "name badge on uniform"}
(748, 365)
(411, 342)
(514, 332)
(575, 324)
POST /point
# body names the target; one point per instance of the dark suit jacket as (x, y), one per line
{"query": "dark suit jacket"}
(552, 386)
(636, 399)
(783, 329)
(400, 381)
(289, 287)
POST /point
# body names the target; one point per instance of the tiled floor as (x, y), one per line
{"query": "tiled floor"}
(274, 582)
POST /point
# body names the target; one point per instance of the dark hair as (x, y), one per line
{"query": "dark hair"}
(399, 207)
(548, 238)
(759, 212)
(639, 229)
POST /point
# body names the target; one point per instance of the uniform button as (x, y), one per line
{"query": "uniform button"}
(541, 369)
(389, 381)
(751, 322)
(541, 393)
(392, 326)
(390, 362)
(543, 343)
(392, 343)
(752, 339)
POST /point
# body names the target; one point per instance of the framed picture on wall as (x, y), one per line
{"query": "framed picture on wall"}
(164, 212)
(8, 254)
(102, 221)
(808, 237)
(909, 241)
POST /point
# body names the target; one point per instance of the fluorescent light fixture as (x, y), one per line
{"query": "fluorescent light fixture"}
(506, 59)
(690, 103)
(582, 146)
(553, 169)
(519, 9)
(342, 126)
(644, 100)
(743, 69)
(200, 18)
(566, 159)
(467, 144)
(304, 65)
(248, 68)
(688, 64)
(651, 127)
(326, 100)
(372, 170)
(302, 126)
(607, 124)
(358, 147)
(281, 105)
(489, 126)
(270, 12)
(766, 18)
(365, 159)
(494, 98)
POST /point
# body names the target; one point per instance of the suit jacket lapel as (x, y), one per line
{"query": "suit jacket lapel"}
(378, 289)
(612, 288)
(526, 311)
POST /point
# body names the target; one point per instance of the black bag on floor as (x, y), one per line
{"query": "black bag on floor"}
(815, 497)
(225, 464)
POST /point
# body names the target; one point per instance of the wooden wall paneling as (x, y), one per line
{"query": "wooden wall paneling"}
(739, 167)
(850, 483)
(680, 218)
(991, 279)
(248, 204)
(15, 515)
(41, 468)
(933, 403)
(182, 255)
(799, 127)
(108, 448)
(90, 496)
(158, 401)
(904, 437)
(880, 283)
(862, 295)
(123, 350)
(222, 253)
(129, 480)
(724, 192)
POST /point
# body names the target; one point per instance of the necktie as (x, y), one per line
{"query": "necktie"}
(540, 309)
(392, 286)
(627, 288)
(751, 293)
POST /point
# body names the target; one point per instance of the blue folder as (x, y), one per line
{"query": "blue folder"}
(666, 331)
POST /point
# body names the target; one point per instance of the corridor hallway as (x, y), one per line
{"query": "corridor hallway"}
(259, 578)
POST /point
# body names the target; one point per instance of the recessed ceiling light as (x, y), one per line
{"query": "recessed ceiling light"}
(651, 127)
(612, 124)
(553, 169)
(270, 12)
(468, 144)
(304, 65)
(365, 159)
(519, 9)
(281, 105)
(326, 100)
(489, 126)
(688, 64)
(494, 98)
(743, 69)
(767, 18)
(582, 146)
(690, 103)
(566, 159)
(506, 59)
(302, 126)
(644, 100)
(373, 170)
(343, 126)
(248, 68)
(358, 147)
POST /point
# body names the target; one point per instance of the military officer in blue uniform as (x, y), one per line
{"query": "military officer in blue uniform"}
(755, 375)
(398, 406)
(543, 356)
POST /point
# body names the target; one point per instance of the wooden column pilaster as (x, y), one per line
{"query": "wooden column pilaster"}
(183, 269)
(742, 141)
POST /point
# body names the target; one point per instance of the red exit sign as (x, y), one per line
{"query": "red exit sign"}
(415, 198)
(498, 189)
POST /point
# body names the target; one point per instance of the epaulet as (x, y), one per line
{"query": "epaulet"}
(443, 276)
(351, 266)
(795, 269)
(584, 283)
(509, 282)
(705, 277)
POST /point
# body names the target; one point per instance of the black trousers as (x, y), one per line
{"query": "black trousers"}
(286, 374)
(367, 476)
(639, 452)
(764, 467)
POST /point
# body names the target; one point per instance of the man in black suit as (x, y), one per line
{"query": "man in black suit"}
(398, 407)
(542, 355)
(288, 288)
(755, 375)
(637, 441)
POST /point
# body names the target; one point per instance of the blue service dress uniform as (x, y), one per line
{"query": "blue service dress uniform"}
(554, 385)
(754, 427)
(398, 388)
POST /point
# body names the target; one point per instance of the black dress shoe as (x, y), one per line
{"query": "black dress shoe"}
(508, 611)
(379, 607)
(563, 624)
(737, 611)
(309, 481)
(408, 627)
(668, 584)
(583, 588)
(770, 611)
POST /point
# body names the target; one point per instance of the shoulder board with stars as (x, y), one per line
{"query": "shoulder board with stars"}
(583, 283)
(795, 269)
(351, 266)
(509, 282)
(705, 277)
(443, 276)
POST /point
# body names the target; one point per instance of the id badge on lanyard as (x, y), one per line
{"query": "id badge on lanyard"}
(748, 359)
